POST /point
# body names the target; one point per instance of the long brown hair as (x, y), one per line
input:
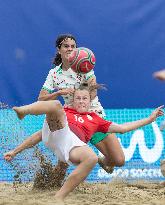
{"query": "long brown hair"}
(57, 58)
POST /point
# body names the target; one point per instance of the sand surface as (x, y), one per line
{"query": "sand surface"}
(116, 193)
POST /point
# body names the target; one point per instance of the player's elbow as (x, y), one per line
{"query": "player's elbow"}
(41, 98)
(122, 129)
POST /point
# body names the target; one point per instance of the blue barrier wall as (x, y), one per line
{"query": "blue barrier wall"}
(143, 148)
(127, 38)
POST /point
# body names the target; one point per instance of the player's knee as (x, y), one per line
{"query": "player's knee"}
(92, 160)
(54, 106)
(120, 161)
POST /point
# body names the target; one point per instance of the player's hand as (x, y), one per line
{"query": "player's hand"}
(157, 113)
(66, 91)
(160, 75)
(8, 156)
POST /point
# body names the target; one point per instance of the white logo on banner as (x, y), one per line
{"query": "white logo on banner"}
(148, 155)
(132, 173)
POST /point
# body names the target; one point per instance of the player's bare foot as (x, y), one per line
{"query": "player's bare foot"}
(19, 111)
(109, 169)
(59, 201)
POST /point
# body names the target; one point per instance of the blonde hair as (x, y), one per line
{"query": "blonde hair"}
(89, 87)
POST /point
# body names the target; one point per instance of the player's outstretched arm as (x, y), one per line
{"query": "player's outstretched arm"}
(126, 127)
(45, 95)
(28, 143)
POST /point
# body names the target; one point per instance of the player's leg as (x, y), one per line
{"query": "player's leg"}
(50, 108)
(110, 147)
(86, 160)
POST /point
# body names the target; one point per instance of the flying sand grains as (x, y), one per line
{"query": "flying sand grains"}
(49, 176)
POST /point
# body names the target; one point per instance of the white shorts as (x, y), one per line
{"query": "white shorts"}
(61, 142)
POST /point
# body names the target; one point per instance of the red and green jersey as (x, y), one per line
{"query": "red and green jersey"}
(84, 125)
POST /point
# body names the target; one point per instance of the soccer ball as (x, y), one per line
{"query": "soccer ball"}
(82, 60)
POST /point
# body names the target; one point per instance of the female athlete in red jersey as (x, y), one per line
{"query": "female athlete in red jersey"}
(66, 131)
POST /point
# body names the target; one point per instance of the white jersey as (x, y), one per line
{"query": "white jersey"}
(60, 79)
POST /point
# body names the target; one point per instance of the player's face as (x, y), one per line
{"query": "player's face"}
(81, 101)
(67, 46)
